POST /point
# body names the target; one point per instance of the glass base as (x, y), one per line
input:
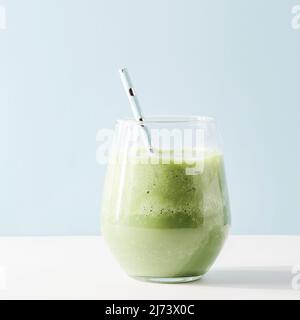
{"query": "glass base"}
(168, 280)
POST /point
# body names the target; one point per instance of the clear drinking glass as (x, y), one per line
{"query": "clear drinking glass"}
(166, 215)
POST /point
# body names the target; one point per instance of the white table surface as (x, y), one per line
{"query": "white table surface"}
(249, 267)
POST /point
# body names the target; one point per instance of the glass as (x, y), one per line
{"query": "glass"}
(166, 215)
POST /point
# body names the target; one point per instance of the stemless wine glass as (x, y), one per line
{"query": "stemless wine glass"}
(165, 215)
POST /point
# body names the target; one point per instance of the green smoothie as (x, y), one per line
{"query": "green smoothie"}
(164, 221)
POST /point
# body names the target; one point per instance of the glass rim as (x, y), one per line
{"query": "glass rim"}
(168, 119)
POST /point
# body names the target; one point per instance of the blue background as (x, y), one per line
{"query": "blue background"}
(236, 60)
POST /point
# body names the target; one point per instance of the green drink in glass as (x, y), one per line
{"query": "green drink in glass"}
(165, 215)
